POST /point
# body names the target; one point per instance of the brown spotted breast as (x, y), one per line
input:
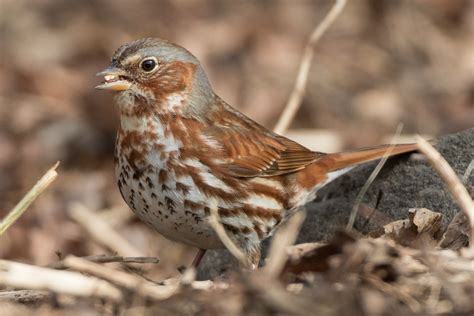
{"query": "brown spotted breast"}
(168, 172)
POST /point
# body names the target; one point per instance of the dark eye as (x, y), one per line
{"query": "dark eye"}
(148, 64)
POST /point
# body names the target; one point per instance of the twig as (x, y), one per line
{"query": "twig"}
(108, 259)
(371, 179)
(134, 283)
(468, 172)
(285, 237)
(452, 181)
(25, 276)
(297, 94)
(374, 213)
(216, 224)
(101, 231)
(120, 278)
(26, 201)
(26, 297)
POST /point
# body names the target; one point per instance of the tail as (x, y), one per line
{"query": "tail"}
(331, 166)
(337, 161)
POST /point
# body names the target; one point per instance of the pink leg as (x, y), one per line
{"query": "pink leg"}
(198, 258)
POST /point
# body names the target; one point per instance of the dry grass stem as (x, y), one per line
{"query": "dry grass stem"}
(26, 201)
(371, 179)
(286, 236)
(131, 282)
(101, 231)
(214, 221)
(468, 172)
(120, 278)
(297, 94)
(24, 276)
(109, 259)
(452, 181)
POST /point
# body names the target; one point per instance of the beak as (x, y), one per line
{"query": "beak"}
(115, 79)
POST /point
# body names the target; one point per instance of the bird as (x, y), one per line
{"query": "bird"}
(181, 152)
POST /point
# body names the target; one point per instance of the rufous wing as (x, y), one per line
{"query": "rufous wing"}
(250, 150)
(247, 153)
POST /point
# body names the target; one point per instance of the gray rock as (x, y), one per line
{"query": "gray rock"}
(405, 182)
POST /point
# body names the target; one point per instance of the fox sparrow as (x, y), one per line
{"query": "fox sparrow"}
(181, 149)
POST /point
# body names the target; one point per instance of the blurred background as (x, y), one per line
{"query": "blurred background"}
(382, 62)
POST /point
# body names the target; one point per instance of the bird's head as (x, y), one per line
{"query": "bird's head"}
(164, 76)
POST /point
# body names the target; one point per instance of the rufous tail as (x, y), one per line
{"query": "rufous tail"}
(345, 159)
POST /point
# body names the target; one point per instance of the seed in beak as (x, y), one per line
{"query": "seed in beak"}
(110, 77)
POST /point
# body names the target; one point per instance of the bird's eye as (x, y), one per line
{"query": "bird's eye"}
(148, 64)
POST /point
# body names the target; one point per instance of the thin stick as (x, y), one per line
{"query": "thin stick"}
(26, 297)
(108, 259)
(286, 236)
(101, 231)
(134, 283)
(373, 175)
(25, 276)
(120, 278)
(26, 201)
(214, 221)
(297, 94)
(468, 172)
(452, 181)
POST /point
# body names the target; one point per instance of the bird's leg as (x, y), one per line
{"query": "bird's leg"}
(252, 255)
(198, 258)
(254, 258)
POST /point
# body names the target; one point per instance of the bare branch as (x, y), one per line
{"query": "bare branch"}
(452, 181)
(108, 259)
(297, 94)
(25, 276)
(120, 278)
(134, 283)
(26, 201)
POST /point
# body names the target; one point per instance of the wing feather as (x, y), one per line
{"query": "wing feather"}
(251, 151)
